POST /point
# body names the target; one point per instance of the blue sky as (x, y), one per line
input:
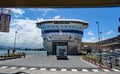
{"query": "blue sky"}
(23, 20)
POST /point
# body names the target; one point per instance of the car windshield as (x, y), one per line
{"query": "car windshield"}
(59, 40)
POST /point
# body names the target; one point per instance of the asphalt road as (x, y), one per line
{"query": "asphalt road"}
(50, 61)
(50, 65)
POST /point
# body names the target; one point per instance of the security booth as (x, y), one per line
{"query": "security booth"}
(61, 52)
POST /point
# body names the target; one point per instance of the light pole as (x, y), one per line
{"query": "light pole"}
(100, 55)
(15, 42)
(101, 35)
(98, 31)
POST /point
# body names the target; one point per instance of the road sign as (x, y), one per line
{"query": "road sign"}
(5, 20)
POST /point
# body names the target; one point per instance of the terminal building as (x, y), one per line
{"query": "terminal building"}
(62, 32)
(111, 43)
(106, 45)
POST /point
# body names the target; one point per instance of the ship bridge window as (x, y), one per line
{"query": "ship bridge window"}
(61, 22)
(65, 26)
(85, 25)
(75, 22)
(47, 22)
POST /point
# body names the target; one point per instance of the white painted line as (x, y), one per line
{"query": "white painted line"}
(52, 69)
(43, 69)
(13, 67)
(95, 70)
(32, 68)
(106, 70)
(74, 70)
(63, 69)
(116, 70)
(22, 68)
(4, 67)
(85, 70)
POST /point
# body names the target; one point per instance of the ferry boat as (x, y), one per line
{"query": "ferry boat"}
(62, 32)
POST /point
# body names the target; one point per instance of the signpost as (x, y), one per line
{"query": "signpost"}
(5, 15)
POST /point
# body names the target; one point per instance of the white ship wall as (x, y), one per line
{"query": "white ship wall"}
(72, 47)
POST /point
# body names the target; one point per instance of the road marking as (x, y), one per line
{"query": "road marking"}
(22, 68)
(116, 70)
(95, 70)
(43, 69)
(32, 68)
(4, 67)
(84, 70)
(106, 70)
(74, 70)
(13, 67)
(63, 69)
(52, 69)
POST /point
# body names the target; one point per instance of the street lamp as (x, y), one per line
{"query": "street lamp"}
(100, 55)
(15, 42)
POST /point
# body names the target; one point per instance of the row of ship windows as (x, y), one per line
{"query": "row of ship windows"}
(60, 34)
(77, 39)
(63, 22)
(58, 26)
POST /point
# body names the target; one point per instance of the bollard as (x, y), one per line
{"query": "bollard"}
(110, 61)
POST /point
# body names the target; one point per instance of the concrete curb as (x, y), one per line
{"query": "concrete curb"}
(97, 64)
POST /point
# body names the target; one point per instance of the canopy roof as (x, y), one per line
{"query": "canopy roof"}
(59, 3)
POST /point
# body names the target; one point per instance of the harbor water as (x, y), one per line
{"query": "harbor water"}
(28, 52)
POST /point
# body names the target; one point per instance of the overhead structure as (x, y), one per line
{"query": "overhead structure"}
(59, 3)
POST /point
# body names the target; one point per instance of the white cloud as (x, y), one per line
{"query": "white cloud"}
(28, 36)
(17, 12)
(58, 17)
(92, 39)
(44, 10)
(109, 32)
(91, 33)
(40, 19)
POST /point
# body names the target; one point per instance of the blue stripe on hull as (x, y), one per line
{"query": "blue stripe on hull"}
(63, 30)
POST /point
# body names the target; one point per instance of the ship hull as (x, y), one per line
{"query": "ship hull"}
(62, 32)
